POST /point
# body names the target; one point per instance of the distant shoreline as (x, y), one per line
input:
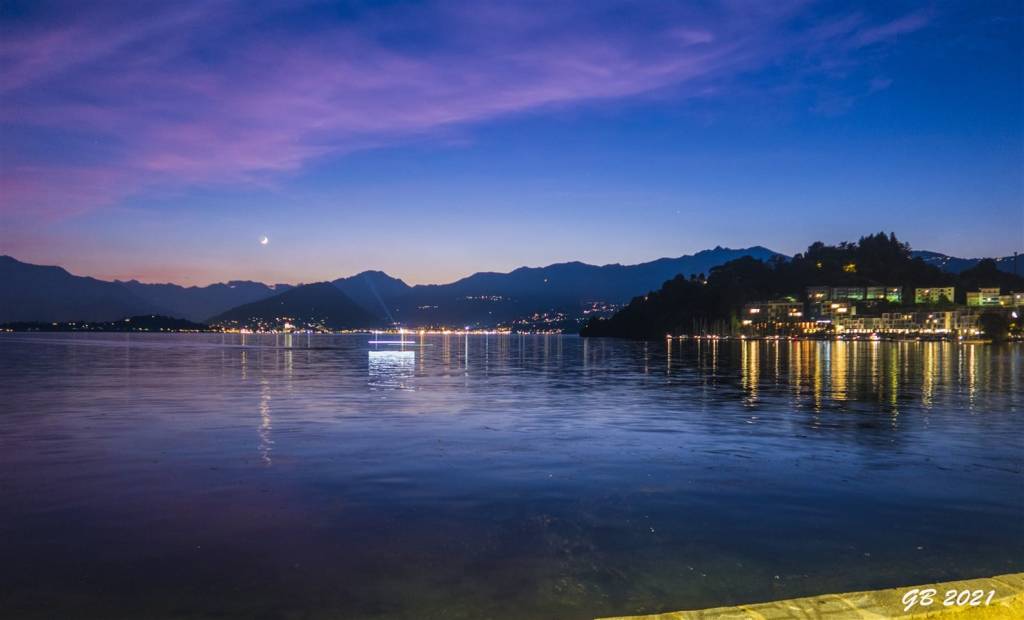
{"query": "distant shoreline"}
(413, 334)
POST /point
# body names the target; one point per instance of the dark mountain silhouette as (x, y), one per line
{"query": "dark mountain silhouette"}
(482, 299)
(952, 264)
(373, 290)
(487, 298)
(319, 304)
(38, 293)
(43, 293)
(578, 281)
(196, 303)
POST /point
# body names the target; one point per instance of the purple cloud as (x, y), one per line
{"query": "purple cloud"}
(200, 93)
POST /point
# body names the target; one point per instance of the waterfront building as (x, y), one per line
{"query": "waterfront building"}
(855, 310)
(818, 294)
(827, 309)
(934, 295)
(1011, 300)
(870, 325)
(983, 297)
(838, 308)
(967, 324)
(847, 293)
(892, 294)
(960, 322)
(776, 311)
(940, 322)
(780, 316)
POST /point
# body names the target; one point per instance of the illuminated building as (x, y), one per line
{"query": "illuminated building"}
(1011, 300)
(773, 311)
(892, 294)
(934, 295)
(772, 317)
(938, 323)
(848, 293)
(816, 294)
(983, 297)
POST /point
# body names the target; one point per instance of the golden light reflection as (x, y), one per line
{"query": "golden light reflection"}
(750, 356)
(820, 359)
(928, 364)
(893, 367)
(971, 361)
(838, 372)
(796, 367)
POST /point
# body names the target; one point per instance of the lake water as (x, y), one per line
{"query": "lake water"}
(510, 477)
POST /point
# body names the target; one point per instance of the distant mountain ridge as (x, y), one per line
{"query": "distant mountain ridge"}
(488, 298)
(373, 290)
(198, 303)
(320, 304)
(41, 293)
(48, 293)
(952, 264)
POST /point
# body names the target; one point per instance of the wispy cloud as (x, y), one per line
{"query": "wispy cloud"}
(199, 93)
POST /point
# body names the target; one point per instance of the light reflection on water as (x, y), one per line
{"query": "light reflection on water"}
(266, 423)
(391, 369)
(494, 476)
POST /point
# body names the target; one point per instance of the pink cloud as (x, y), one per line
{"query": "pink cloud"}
(219, 93)
(50, 192)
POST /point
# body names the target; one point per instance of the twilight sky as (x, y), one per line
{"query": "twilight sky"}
(161, 140)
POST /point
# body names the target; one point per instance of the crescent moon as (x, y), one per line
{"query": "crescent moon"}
(264, 240)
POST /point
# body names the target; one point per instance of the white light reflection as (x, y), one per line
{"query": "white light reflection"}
(391, 369)
(266, 423)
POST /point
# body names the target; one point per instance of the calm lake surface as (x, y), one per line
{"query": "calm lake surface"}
(511, 477)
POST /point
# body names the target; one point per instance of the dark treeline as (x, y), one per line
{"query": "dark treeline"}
(688, 305)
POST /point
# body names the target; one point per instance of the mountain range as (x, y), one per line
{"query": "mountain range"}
(46, 293)
(489, 298)
(321, 304)
(43, 293)
(952, 264)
